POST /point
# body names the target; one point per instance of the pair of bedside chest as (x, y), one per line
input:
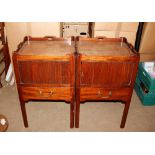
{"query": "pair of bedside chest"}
(75, 70)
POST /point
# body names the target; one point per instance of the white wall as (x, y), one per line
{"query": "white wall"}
(16, 31)
(15, 34)
(44, 29)
(117, 29)
(147, 46)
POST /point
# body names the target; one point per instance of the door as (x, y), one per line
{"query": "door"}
(106, 74)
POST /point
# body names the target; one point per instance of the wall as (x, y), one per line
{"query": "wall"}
(147, 46)
(17, 30)
(44, 29)
(117, 29)
(15, 33)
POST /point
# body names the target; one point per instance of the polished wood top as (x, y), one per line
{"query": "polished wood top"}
(47, 48)
(105, 48)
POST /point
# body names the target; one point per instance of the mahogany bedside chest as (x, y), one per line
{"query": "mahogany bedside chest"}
(44, 69)
(106, 70)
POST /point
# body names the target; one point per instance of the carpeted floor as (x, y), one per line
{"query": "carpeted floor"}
(95, 116)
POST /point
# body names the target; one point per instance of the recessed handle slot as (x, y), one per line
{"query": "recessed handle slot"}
(145, 90)
(101, 37)
(83, 33)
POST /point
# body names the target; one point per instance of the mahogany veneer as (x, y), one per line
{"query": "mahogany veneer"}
(44, 69)
(106, 70)
(87, 69)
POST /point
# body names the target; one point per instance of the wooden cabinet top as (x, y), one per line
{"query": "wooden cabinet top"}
(105, 48)
(47, 48)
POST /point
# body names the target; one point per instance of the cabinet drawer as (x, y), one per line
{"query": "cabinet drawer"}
(46, 93)
(103, 94)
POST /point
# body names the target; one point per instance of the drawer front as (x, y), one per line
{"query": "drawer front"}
(45, 93)
(104, 94)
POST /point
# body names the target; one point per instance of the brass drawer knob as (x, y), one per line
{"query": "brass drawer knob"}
(40, 92)
(100, 94)
(49, 93)
(110, 93)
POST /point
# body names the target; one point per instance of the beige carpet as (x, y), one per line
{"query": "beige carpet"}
(95, 116)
